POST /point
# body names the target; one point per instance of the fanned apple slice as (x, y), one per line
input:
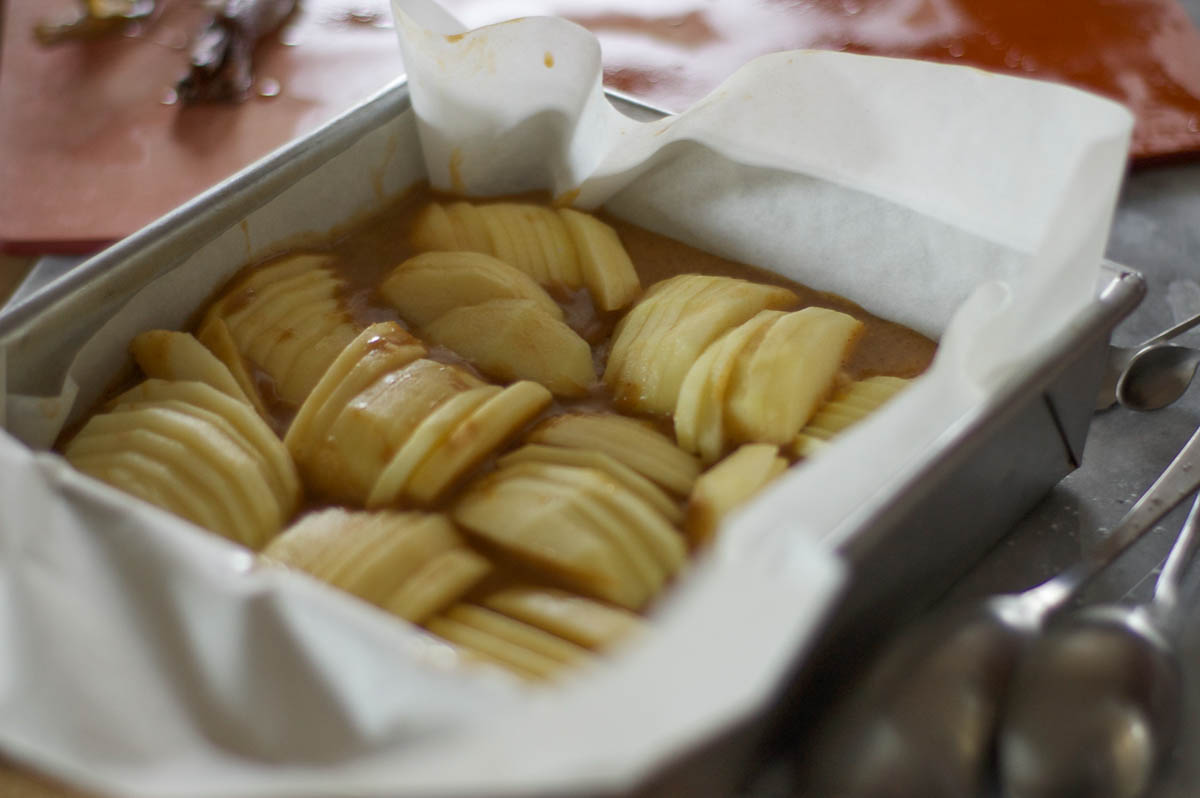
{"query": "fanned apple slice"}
(537, 525)
(310, 323)
(518, 633)
(776, 387)
(514, 339)
(291, 312)
(482, 645)
(377, 350)
(581, 620)
(180, 356)
(191, 473)
(504, 245)
(526, 250)
(557, 248)
(729, 484)
(697, 309)
(632, 442)
(410, 563)
(344, 463)
(655, 538)
(246, 290)
(286, 503)
(470, 228)
(389, 549)
(430, 434)
(581, 488)
(849, 405)
(215, 335)
(308, 369)
(628, 478)
(700, 410)
(150, 481)
(234, 475)
(284, 477)
(443, 580)
(432, 230)
(269, 302)
(490, 424)
(604, 264)
(426, 286)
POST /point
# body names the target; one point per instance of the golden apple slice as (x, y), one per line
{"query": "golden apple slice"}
(432, 230)
(429, 435)
(284, 479)
(247, 290)
(729, 484)
(344, 463)
(311, 540)
(697, 310)
(520, 634)
(776, 386)
(471, 230)
(514, 339)
(443, 579)
(424, 287)
(580, 620)
(385, 551)
(537, 524)
(849, 405)
(526, 249)
(583, 489)
(308, 369)
(215, 335)
(125, 432)
(498, 651)
(604, 264)
(179, 356)
(267, 303)
(285, 502)
(490, 425)
(377, 350)
(629, 441)
(285, 315)
(700, 410)
(562, 262)
(150, 481)
(588, 458)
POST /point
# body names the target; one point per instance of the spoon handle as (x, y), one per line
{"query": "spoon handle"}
(1178, 481)
(1166, 589)
(1168, 334)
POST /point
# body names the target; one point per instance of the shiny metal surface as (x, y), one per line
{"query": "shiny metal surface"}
(1120, 357)
(1157, 376)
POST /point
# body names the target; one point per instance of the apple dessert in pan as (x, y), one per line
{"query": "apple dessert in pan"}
(506, 422)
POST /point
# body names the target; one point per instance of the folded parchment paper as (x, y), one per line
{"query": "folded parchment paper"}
(143, 657)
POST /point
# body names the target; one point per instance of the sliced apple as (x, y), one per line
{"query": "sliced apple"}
(180, 356)
(149, 480)
(604, 264)
(471, 230)
(629, 479)
(514, 339)
(518, 633)
(424, 287)
(377, 350)
(443, 579)
(432, 230)
(581, 620)
(632, 442)
(776, 387)
(729, 484)
(430, 434)
(345, 462)
(537, 524)
(215, 335)
(478, 644)
(700, 410)
(558, 250)
(492, 423)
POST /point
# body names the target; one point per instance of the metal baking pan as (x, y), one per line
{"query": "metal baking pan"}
(902, 551)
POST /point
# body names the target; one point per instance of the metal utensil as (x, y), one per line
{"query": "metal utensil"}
(1119, 358)
(1094, 705)
(1157, 376)
(924, 719)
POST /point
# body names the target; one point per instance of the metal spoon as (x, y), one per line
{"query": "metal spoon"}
(923, 721)
(1094, 706)
(1157, 376)
(1119, 358)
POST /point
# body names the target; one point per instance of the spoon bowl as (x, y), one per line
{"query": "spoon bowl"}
(1157, 376)
(1094, 705)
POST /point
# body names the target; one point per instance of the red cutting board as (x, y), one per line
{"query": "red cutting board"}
(90, 149)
